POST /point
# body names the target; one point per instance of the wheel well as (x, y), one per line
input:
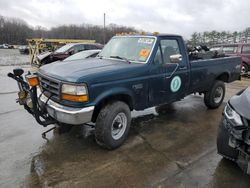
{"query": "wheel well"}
(223, 77)
(243, 62)
(121, 97)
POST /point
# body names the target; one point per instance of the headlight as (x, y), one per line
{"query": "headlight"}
(232, 115)
(74, 89)
(76, 93)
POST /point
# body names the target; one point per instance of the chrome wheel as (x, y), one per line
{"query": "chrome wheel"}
(119, 125)
(218, 95)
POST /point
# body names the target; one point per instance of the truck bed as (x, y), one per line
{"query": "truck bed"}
(204, 72)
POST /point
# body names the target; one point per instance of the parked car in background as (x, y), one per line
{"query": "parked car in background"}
(24, 49)
(240, 49)
(233, 140)
(65, 51)
(83, 55)
(6, 46)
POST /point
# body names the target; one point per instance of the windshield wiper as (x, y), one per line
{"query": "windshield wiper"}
(119, 57)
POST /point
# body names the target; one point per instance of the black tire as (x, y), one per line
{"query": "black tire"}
(211, 95)
(104, 124)
(244, 68)
(222, 144)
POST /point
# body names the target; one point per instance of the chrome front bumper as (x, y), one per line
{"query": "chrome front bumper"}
(68, 115)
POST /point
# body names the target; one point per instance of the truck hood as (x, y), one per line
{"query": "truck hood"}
(241, 103)
(92, 69)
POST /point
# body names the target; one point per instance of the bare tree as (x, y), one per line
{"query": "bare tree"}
(16, 31)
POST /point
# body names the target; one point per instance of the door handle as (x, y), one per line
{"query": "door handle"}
(182, 68)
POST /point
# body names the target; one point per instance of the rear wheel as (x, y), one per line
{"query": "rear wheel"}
(112, 125)
(244, 68)
(215, 96)
(222, 144)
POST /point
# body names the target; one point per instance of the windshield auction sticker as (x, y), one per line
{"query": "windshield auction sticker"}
(175, 84)
(145, 40)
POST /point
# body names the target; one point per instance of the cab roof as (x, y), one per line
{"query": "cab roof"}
(155, 34)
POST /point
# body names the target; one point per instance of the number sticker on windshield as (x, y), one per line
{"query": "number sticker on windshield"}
(144, 53)
(145, 40)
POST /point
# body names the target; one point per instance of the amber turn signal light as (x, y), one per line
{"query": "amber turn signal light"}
(32, 80)
(75, 98)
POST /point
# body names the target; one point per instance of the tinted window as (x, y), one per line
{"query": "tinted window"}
(94, 47)
(246, 49)
(87, 47)
(79, 48)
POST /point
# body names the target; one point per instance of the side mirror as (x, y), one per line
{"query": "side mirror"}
(18, 72)
(176, 58)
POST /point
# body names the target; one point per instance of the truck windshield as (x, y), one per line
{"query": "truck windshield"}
(133, 49)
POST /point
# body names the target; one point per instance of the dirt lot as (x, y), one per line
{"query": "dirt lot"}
(175, 148)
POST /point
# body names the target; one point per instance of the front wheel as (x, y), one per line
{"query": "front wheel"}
(112, 125)
(215, 96)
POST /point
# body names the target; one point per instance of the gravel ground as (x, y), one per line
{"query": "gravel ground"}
(12, 57)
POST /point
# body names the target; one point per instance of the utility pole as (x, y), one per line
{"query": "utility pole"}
(104, 28)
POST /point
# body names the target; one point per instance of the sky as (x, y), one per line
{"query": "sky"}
(165, 16)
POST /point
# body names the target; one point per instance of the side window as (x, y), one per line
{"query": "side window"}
(79, 48)
(76, 48)
(166, 48)
(87, 47)
(246, 49)
(158, 56)
(92, 47)
(82, 47)
(169, 47)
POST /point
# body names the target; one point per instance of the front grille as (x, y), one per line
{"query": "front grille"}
(50, 86)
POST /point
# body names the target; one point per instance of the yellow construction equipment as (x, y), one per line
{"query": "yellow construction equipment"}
(39, 45)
